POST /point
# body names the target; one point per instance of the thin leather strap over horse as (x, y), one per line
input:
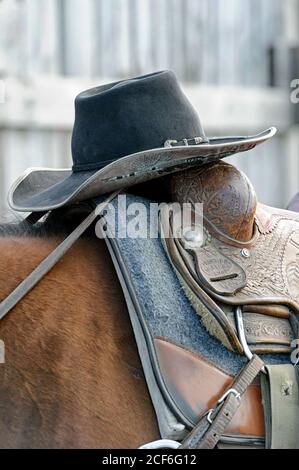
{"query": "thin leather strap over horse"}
(48, 263)
(32, 219)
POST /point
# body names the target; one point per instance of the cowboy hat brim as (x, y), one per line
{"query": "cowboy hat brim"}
(46, 189)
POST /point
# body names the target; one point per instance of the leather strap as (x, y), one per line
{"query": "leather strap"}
(32, 219)
(280, 391)
(48, 263)
(212, 426)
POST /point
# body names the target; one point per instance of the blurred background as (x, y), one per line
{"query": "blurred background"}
(236, 60)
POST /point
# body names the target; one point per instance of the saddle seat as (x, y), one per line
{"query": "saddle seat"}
(244, 268)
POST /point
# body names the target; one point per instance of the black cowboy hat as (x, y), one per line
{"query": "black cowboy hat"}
(126, 133)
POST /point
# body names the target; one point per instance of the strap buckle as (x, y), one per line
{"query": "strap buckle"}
(221, 400)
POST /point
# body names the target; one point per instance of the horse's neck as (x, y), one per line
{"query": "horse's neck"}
(72, 376)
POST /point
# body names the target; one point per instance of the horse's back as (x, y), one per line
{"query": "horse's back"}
(70, 353)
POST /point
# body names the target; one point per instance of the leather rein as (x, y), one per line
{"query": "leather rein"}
(52, 259)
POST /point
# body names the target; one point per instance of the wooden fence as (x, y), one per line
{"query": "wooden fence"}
(207, 41)
(224, 51)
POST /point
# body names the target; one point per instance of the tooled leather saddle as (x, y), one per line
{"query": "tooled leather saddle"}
(245, 268)
(240, 271)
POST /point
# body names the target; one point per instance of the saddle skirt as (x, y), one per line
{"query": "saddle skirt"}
(248, 257)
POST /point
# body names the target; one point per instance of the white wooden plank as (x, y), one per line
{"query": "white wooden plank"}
(61, 149)
(194, 50)
(123, 59)
(111, 54)
(13, 142)
(290, 12)
(285, 57)
(227, 42)
(12, 37)
(244, 70)
(102, 12)
(209, 52)
(257, 71)
(42, 36)
(110, 17)
(116, 40)
(176, 35)
(238, 109)
(159, 34)
(44, 103)
(21, 149)
(291, 158)
(79, 37)
(275, 56)
(265, 167)
(140, 37)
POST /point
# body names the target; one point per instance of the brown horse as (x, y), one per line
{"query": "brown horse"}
(72, 377)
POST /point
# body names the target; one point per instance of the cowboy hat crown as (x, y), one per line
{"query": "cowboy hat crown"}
(131, 116)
